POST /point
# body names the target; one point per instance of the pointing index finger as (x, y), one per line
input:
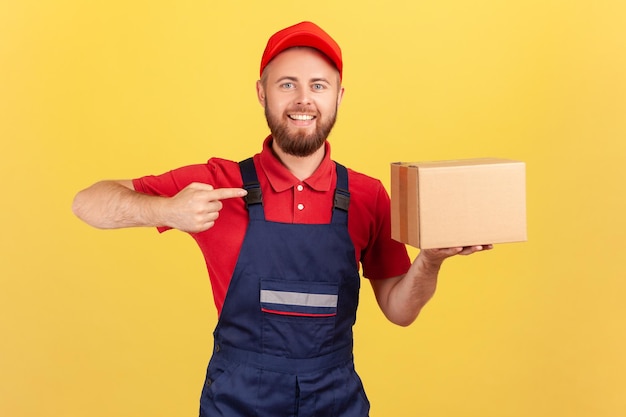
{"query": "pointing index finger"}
(225, 193)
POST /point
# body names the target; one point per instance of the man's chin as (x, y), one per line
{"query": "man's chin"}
(299, 147)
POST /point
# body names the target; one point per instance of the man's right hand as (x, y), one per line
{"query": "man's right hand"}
(196, 207)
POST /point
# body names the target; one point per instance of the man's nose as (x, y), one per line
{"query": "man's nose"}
(303, 97)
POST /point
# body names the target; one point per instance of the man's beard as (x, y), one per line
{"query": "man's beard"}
(299, 143)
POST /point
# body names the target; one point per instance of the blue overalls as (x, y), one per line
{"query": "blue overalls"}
(283, 342)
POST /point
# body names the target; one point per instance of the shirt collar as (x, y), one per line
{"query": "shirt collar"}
(281, 179)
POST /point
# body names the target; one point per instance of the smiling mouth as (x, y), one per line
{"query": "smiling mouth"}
(301, 117)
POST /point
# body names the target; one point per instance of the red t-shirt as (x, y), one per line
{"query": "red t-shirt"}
(287, 200)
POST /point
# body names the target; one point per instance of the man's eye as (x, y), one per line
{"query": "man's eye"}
(318, 87)
(288, 85)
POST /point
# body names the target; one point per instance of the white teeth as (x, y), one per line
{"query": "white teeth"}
(300, 117)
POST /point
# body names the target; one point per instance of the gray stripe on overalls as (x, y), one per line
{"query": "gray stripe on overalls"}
(298, 298)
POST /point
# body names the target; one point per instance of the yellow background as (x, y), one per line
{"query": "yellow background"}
(119, 323)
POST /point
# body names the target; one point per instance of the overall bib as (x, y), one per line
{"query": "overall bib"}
(283, 342)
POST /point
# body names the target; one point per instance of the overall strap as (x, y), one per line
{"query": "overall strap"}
(342, 196)
(254, 199)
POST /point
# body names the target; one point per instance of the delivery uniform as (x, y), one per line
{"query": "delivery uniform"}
(283, 343)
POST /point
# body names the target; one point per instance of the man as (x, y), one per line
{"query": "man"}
(283, 234)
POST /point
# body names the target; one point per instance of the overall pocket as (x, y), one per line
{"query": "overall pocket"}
(298, 317)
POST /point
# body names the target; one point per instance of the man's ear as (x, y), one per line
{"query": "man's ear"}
(340, 96)
(260, 93)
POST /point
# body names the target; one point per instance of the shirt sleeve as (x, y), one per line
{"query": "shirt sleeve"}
(384, 257)
(170, 183)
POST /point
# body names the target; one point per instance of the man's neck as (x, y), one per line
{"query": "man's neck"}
(302, 167)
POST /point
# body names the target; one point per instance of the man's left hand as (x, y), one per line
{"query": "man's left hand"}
(438, 255)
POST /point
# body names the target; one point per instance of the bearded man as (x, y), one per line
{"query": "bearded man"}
(284, 234)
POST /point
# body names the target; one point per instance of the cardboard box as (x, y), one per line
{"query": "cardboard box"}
(458, 203)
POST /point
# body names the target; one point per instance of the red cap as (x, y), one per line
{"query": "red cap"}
(303, 34)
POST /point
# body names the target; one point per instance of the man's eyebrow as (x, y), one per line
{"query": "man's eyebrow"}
(317, 80)
(295, 79)
(286, 78)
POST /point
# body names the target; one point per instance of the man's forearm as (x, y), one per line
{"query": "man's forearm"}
(411, 293)
(113, 204)
(402, 298)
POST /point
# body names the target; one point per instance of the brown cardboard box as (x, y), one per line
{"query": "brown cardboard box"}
(458, 203)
